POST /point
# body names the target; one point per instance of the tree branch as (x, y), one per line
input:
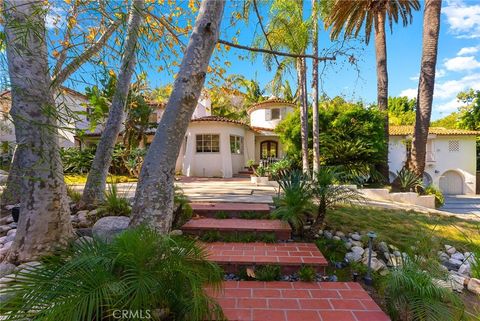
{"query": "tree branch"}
(167, 26)
(66, 39)
(274, 52)
(86, 55)
(263, 29)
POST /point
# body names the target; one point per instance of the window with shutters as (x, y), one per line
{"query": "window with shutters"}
(208, 143)
(453, 146)
(275, 113)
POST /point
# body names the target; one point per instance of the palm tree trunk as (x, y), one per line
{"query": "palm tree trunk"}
(155, 190)
(382, 83)
(44, 222)
(316, 131)
(303, 114)
(431, 31)
(97, 177)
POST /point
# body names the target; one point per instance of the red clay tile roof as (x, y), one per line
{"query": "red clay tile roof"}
(220, 119)
(271, 101)
(259, 129)
(408, 130)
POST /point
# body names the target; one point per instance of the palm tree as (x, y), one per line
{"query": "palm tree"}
(288, 31)
(352, 16)
(315, 129)
(431, 30)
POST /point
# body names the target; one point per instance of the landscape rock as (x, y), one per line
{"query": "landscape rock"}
(83, 239)
(12, 232)
(444, 257)
(358, 250)
(176, 232)
(365, 254)
(469, 257)
(353, 257)
(4, 229)
(328, 235)
(474, 285)
(382, 247)
(450, 249)
(356, 237)
(443, 283)
(458, 256)
(397, 253)
(6, 268)
(28, 266)
(108, 227)
(3, 239)
(336, 238)
(456, 263)
(348, 245)
(456, 282)
(357, 243)
(339, 234)
(393, 247)
(376, 264)
(464, 269)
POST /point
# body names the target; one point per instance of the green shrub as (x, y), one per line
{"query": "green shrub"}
(411, 293)
(183, 211)
(333, 250)
(220, 215)
(307, 274)
(295, 204)
(268, 273)
(140, 270)
(114, 204)
(408, 181)
(275, 169)
(433, 190)
(77, 161)
(260, 171)
(74, 195)
(244, 237)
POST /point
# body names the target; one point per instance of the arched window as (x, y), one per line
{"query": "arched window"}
(268, 148)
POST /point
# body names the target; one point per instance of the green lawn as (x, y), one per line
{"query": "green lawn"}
(404, 228)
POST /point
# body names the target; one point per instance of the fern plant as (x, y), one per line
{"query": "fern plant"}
(139, 270)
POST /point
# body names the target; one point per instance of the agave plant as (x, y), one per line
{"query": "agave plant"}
(295, 203)
(408, 181)
(411, 293)
(328, 192)
(140, 270)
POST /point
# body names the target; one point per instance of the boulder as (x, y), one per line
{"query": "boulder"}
(450, 249)
(474, 285)
(108, 227)
(464, 269)
(6, 268)
(353, 257)
(176, 232)
(376, 264)
(456, 282)
(458, 256)
(382, 247)
(456, 263)
(356, 237)
(12, 232)
(358, 250)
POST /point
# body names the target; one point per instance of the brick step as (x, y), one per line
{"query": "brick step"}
(294, 301)
(289, 256)
(232, 209)
(246, 171)
(281, 229)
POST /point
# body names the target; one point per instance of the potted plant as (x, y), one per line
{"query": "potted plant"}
(260, 175)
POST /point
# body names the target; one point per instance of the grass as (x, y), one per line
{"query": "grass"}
(405, 228)
(73, 179)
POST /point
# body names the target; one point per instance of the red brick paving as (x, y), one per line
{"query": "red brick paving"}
(233, 209)
(291, 301)
(281, 229)
(290, 256)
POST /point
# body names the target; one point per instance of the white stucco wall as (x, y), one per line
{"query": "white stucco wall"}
(462, 161)
(259, 117)
(221, 164)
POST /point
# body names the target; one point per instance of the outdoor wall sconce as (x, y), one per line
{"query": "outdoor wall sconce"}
(368, 277)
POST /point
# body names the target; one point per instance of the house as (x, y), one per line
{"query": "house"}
(69, 102)
(450, 160)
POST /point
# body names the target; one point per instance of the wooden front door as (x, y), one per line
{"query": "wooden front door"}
(268, 148)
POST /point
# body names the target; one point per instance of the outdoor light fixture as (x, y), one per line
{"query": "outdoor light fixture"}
(368, 277)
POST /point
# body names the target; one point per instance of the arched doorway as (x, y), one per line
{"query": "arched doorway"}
(268, 149)
(451, 183)
(427, 179)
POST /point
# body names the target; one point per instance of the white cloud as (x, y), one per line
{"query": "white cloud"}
(410, 93)
(463, 19)
(449, 106)
(449, 89)
(439, 73)
(467, 51)
(462, 63)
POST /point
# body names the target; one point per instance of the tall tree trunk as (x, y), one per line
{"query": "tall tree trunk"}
(316, 131)
(382, 83)
(303, 114)
(97, 177)
(155, 190)
(44, 222)
(426, 84)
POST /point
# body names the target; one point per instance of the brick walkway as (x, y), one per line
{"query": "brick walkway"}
(297, 301)
(209, 209)
(281, 229)
(290, 256)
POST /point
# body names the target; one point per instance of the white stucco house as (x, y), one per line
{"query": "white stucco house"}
(450, 161)
(69, 102)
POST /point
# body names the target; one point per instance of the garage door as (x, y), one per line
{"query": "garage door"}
(451, 183)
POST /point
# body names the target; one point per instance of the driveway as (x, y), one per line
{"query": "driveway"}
(462, 204)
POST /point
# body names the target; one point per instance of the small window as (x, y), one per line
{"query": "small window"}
(236, 144)
(208, 143)
(275, 113)
(453, 146)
